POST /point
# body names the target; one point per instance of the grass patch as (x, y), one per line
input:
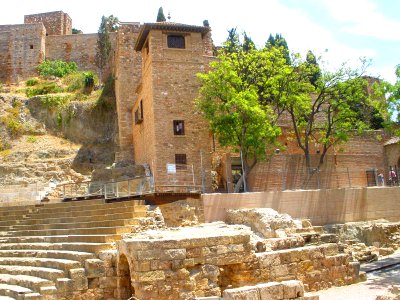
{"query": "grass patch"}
(53, 101)
(32, 82)
(43, 89)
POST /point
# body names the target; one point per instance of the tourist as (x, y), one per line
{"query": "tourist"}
(381, 179)
(392, 177)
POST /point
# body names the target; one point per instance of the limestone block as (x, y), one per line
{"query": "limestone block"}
(65, 286)
(148, 254)
(279, 271)
(270, 290)
(108, 282)
(78, 276)
(173, 254)
(193, 252)
(293, 289)
(95, 268)
(145, 265)
(242, 293)
(148, 276)
(305, 266)
(329, 249)
(269, 259)
(109, 257)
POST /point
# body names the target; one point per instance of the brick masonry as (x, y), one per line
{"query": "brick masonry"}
(56, 22)
(21, 50)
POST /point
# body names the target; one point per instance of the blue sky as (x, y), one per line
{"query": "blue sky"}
(349, 29)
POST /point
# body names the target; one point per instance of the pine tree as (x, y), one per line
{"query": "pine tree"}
(103, 45)
(160, 15)
(315, 71)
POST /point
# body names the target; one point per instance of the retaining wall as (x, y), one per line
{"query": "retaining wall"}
(321, 206)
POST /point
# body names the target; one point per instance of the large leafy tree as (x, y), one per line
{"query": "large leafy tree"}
(322, 111)
(386, 100)
(235, 115)
(237, 98)
(104, 46)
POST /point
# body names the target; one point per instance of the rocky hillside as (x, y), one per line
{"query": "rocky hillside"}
(52, 131)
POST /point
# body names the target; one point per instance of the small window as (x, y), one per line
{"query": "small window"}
(139, 113)
(180, 161)
(176, 41)
(31, 46)
(179, 127)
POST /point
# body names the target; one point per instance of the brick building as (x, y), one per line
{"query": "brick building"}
(155, 67)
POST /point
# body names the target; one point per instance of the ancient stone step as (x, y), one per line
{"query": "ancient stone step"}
(30, 282)
(52, 263)
(73, 246)
(76, 225)
(84, 207)
(124, 215)
(78, 231)
(89, 238)
(13, 291)
(58, 254)
(41, 272)
(13, 211)
(96, 212)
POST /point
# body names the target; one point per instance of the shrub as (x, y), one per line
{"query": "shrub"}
(80, 81)
(74, 82)
(31, 139)
(13, 125)
(43, 89)
(32, 82)
(52, 101)
(57, 68)
(89, 79)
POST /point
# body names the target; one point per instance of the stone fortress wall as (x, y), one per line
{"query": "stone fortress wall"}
(56, 22)
(22, 48)
(161, 82)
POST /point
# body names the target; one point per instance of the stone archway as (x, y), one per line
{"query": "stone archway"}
(124, 283)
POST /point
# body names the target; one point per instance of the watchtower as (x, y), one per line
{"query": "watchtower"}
(168, 132)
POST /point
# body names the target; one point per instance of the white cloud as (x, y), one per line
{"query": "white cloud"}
(361, 17)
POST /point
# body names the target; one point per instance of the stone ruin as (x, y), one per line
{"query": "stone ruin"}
(260, 253)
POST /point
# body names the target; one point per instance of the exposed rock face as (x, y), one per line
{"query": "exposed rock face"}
(264, 221)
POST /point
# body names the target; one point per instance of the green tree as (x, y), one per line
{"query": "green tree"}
(279, 42)
(322, 113)
(76, 31)
(238, 97)
(313, 66)
(104, 46)
(160, 15)
(386, 100)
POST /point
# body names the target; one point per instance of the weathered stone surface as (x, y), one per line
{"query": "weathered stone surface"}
(265, 221)
(243, 293)
(95, 268)
(79, 279)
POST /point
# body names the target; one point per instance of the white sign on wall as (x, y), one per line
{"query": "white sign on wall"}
(171, 168)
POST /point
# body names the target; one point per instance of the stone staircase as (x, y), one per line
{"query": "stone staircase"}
(45, 250)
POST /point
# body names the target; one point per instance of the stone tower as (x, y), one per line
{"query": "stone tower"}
(167, 129)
